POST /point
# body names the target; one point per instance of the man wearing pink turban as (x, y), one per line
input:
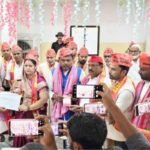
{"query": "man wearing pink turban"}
(82, 59)
(65, 76)
(7, 58)
(47, 69)
(15, 68)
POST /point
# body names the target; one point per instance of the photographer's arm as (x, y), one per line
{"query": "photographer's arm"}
(125, 126)
(48, 139)
(135, 140)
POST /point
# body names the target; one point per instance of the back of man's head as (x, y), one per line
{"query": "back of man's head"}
(88, 130)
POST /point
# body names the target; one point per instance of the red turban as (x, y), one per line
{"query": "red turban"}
(5, 46)
(65, 52)
(83, 51)
(72, 45)
(121, 59)
(34, 52)
(16, 48)
(67, 40)
(145, 60)
(96, 59)
(108, 51)
(50, 53)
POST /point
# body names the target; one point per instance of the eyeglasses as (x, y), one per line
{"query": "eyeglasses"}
(134, 52)
(16, 54)
(107, 56)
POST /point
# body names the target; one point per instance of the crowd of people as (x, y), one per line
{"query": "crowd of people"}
(125, 78)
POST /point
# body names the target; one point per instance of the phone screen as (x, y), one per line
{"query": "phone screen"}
(142, 108)
(95, 108)
(85, 91)
(55, 129)
(24, 127)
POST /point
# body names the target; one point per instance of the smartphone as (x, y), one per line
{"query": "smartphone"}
(142, 108)
(25, 127)
(86, 91)
(67, 101)
(56, 127)
(95, 108)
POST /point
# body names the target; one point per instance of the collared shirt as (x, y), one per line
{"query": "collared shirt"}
(56, 46)
(134, 72)
(145, 89)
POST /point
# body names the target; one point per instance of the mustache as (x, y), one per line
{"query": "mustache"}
(90, 70)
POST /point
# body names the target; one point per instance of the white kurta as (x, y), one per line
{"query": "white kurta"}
(107, 79)
(134, 72)
(18, 71)
(47, 74)
(3, 69)
(124, 100)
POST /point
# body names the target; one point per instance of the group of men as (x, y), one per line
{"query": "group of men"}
(127, 74)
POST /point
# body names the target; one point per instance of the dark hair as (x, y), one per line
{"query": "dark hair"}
(33, 61)
(88, 130)
(6, 85)
(124, 68)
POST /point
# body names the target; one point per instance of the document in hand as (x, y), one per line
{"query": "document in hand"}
(10, 100)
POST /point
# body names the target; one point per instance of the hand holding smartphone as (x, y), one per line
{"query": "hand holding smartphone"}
(25, 127)
(142, 108)
(95, 108)
(86, 91)
(56, 128)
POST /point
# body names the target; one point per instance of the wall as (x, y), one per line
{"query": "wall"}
(114, 32)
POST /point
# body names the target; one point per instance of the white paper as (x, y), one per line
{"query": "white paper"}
(10, 100)
(66, 101)
(3, 126)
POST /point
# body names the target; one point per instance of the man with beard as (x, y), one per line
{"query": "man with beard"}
(65, 76)
(82, 59)
(134, 50)
(122, 92)
(107, 57)
(95, 68)
(143, 91)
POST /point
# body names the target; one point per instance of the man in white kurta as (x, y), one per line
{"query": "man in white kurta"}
(15, 68)
(107, 56)
(47, 69)
(6, 59)
(134, 50)
(123, 93)
(95, 69)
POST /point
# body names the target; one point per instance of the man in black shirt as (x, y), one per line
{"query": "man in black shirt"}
(59, 43)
